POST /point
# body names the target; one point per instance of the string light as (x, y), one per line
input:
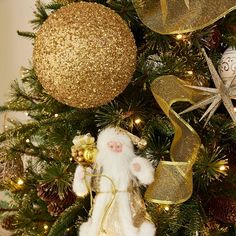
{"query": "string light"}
(45, 227)
(190, 72)
(20, 181)
(27, 140)
(179, 36)
(137, 121)
(222, 168)
(167, 208)
(56, 115)
(26, 113)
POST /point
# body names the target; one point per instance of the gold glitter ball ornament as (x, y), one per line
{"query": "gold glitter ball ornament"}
(64, 1)
(84, 55)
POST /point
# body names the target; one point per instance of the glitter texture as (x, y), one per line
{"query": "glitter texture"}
(64, 1)
(84, 55)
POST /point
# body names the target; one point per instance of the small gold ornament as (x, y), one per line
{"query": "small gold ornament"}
(90, 154)
(84, 55)
(11, 170)
(16, 184)
(84, 150)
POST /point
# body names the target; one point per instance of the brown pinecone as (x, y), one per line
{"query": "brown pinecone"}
(8, 223)
(55, 209)
(223, 209)
(47, 192)
(211, 37)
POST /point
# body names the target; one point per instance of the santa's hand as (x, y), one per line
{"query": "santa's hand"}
(82, 179)
(142, 169)
(80, 171)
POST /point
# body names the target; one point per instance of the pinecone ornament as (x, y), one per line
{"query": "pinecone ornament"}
(211, 37)
(8, 223)
(55, 203)
(223, 209)
(47, 192)
(55, 209)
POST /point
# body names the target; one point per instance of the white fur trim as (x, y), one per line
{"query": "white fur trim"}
(147, 229)
(84, 229)
(79, 184)
(110, 134)
(146, 174)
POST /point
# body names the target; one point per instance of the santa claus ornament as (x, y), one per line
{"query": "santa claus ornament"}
(118, 209)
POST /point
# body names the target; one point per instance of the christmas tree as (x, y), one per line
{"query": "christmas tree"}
(163, 74)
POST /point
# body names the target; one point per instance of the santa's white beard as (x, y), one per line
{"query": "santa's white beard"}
(116, 166)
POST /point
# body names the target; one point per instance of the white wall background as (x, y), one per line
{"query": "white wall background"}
(15, 51)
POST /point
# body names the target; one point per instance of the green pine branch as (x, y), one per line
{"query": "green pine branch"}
(28, 35)
(67, 218)
(40, 15)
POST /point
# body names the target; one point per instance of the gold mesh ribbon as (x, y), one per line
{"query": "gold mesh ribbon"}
(173, 179)
(181, 16)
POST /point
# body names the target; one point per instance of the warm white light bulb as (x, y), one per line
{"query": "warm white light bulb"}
(45, 227)
(190, 72)
(167, 208)
(27, 140)
(20, 181)
(222, 167)
(56, 115)
(138, 121)
(179, 36)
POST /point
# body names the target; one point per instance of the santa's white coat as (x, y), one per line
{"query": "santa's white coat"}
(119, 167)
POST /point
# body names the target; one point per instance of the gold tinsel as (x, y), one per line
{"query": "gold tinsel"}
(84, 55)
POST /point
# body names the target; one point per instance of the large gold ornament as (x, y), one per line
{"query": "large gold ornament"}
(84, 55)
(64, 1)
(181, 16)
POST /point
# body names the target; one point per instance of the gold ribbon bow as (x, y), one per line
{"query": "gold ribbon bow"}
(173, 179)
(181, 16)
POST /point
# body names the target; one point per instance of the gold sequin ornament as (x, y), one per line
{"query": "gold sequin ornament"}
(84, 55)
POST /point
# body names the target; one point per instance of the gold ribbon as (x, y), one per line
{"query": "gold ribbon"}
(164, 8)
(173, 179)
(181, 16)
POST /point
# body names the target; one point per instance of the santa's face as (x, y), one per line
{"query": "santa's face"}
(115, 146)
(112, 143)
